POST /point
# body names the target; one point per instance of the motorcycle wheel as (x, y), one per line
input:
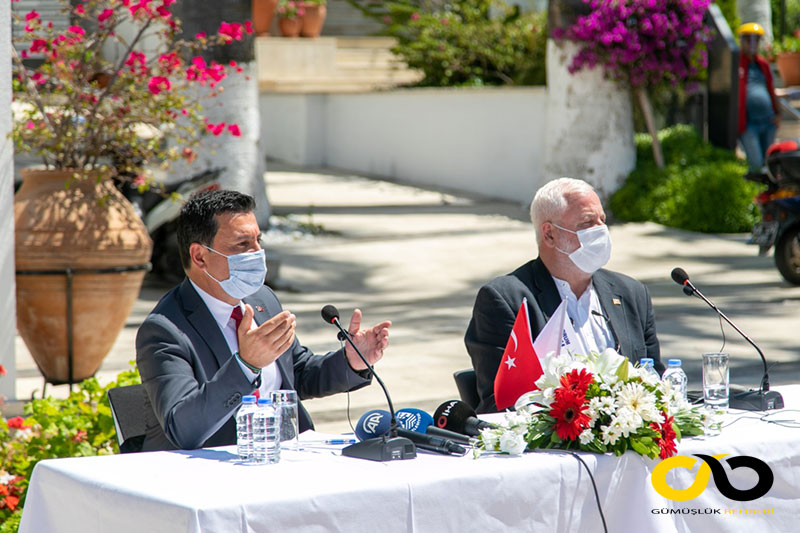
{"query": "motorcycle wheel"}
(787, 255)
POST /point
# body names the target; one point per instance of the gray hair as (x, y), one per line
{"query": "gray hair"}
(550, 201)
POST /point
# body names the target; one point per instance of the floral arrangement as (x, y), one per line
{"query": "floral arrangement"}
(84, 108)
(597, 403)
(79, 425)
(289, 9)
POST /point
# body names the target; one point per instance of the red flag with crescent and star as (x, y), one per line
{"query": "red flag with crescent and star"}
(519, 366)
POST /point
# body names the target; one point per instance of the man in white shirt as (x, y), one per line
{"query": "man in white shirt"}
(607, 309)
(222, 334)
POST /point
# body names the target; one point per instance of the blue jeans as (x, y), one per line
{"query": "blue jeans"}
(755, 141)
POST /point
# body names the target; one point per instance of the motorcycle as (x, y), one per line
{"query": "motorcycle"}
(159, 209)
(780, 209)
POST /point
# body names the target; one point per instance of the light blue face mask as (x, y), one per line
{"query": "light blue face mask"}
(246, 273)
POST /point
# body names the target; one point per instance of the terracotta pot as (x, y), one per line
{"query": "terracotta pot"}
(87, 226)
(290, 27)
(313, 19)
(263, 12)
(789, 67)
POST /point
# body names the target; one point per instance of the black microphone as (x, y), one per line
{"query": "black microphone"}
(452, 435)
(753, 400)
(388, 447)
(455, 415)
(432, 443)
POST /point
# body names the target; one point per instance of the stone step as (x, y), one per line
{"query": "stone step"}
(340, 84)
(366, 42)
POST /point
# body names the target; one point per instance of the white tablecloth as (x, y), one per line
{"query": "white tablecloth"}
(206, 490)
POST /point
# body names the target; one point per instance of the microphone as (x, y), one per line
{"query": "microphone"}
(389, 446)
(455, 415)
(373, 424)
(421, 422)
(753, 400)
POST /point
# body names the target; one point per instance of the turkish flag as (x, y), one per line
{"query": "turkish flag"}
(519, 367)
(521, 364)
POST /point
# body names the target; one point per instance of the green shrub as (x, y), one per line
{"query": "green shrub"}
(701, 187)
(460, 44)
(76, 426)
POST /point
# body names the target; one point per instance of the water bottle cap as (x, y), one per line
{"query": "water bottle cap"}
(645, 361)
(264, 401)
(674, 362)
(249, 399)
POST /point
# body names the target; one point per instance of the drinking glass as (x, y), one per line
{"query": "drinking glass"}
(715, 381)
(286, 402)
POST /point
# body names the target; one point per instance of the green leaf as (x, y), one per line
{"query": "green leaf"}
(622, 370)
(639, 447)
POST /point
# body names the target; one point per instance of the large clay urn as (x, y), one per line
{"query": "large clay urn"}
(89, 228)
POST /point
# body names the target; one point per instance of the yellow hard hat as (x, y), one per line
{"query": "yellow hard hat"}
(751, 28)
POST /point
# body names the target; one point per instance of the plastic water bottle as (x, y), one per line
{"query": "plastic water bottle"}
(266, 433)
(244, 428)
(675, 375)
(649, 366)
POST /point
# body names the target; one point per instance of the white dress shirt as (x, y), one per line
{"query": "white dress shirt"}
(221, 311)
(587, 318)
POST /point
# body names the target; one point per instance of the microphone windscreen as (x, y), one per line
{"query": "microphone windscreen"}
(453, 415)
(413, 419)
(679, 275)
(330, 313)
(373, 424)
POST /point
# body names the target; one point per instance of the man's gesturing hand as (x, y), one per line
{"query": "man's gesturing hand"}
(264, 344)
(371, 342)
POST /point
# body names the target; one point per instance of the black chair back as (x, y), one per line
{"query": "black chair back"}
(467, 384)
(129, 407)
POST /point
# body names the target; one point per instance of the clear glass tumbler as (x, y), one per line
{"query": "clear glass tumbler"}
(286, 402)
(715, 381)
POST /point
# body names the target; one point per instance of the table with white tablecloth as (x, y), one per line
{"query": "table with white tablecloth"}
(319, 490)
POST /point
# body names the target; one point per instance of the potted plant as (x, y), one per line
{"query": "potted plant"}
(95, 105)
(263, 12)
(290, 17)
(787, 58)
(314, 18)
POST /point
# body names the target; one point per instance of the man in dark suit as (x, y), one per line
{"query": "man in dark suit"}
(222, 334)
(607, 309)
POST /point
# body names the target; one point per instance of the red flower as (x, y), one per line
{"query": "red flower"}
(17, 423)
(2, 370)
(80, 436)
(667, 439)
(79, 9)
(201, 35)
(218, 129)
(158, 84)
(235, 131)
(105, 15)
(31, 15)
(10, 502)
(248, 27)
(577, 380)
(568, 409)
(232, 31)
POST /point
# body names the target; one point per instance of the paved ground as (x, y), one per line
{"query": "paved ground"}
(418, 258)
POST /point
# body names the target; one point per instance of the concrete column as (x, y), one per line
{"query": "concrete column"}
(7, 287)
(757, 11)
(589, 124)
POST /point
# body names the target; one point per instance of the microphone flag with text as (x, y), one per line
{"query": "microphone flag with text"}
(521, 364)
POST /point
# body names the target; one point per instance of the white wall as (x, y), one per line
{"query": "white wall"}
(488, 141)
(8, 316)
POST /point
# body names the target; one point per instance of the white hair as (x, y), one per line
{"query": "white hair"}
(551, 201)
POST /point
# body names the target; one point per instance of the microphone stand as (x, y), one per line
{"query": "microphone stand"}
(388, 447)
(762, 399)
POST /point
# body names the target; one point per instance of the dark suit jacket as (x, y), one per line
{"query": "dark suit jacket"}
(631, 319)
(195, 385)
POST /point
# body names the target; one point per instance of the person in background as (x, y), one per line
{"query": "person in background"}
(607, 309)
(759, 114)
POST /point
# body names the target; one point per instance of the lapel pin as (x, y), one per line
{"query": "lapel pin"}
(259, 309)
(616, 301)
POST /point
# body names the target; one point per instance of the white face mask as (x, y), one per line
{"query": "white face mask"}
(595, 249)
(246, 273)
